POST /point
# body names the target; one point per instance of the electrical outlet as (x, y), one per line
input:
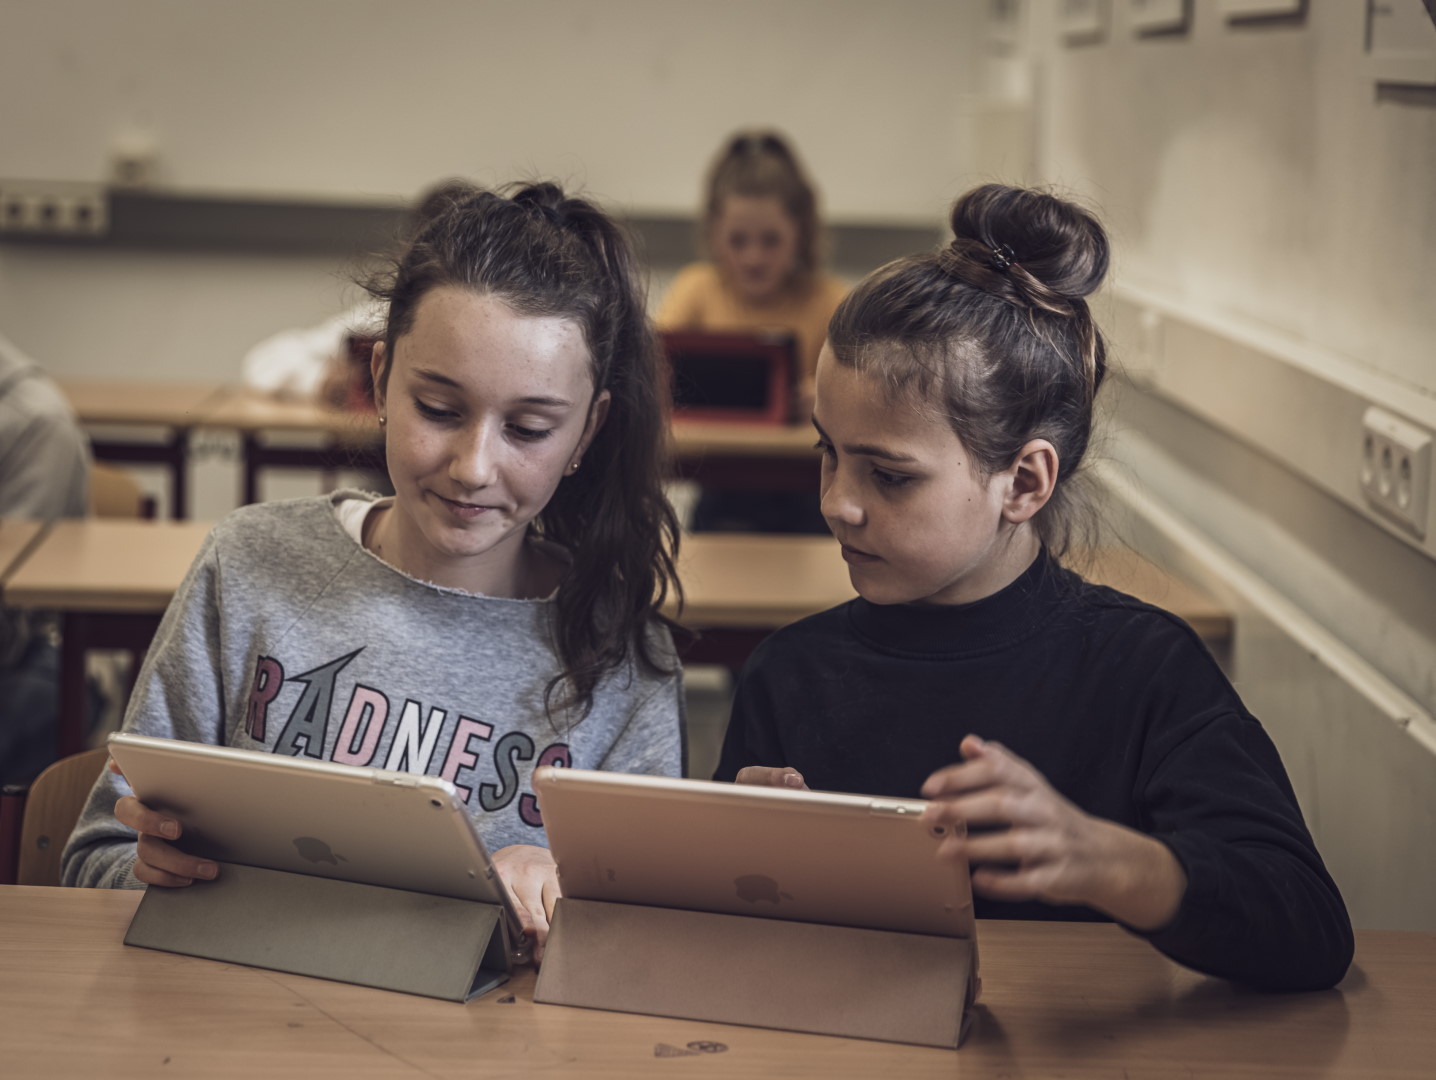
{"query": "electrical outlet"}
(1396, 468)
(52, 208)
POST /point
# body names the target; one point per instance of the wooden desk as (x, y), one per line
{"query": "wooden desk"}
(747, 457)
(111, 580)
(1070, 1000)
(740, 587)
(753, 457)
(176, 406)
(348, 439)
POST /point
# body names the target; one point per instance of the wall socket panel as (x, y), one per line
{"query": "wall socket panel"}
(1396, 468)
(53, 208)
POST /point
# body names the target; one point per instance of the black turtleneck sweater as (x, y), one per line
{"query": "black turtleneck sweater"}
(1116, 702)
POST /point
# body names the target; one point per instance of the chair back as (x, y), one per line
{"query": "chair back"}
(51, 809)
(114, 493)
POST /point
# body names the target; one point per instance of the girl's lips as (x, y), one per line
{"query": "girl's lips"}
(853, 555)
(467, 511)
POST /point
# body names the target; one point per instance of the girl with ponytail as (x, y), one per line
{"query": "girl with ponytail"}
(500, 611)
(1092, 759)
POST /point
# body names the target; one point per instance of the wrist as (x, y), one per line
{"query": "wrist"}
(1145, 883)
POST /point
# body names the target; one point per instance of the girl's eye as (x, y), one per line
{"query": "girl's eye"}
(530, 434)
(433, 412)
(890, 480)
(825, 447)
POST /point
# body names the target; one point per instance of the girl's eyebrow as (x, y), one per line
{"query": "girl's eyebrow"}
(536, 399)
(868, 450)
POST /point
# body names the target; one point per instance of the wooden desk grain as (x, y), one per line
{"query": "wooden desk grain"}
(107, 564)
(767, 581)
(1059, 1000)
(161, 404)
(248, 410)
(698, 438)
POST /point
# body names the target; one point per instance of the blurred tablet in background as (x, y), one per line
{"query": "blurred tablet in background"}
(736, 377)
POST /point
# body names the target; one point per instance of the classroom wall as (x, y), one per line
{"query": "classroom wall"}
(357, 99)
(1275, 272)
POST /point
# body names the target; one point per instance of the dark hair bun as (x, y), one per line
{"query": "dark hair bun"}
(1059, 244)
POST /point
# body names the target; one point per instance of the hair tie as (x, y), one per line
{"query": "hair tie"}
(1003, 258)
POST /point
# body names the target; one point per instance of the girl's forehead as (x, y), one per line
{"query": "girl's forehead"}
(856, 407)
(752, 210)
(468, 335)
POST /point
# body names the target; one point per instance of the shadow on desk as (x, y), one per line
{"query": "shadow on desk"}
(1152, 1009)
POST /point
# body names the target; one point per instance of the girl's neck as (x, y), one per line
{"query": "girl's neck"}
(1011, 555)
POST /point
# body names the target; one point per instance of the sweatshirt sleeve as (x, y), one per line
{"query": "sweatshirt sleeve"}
(1260, 907)
(179, 694)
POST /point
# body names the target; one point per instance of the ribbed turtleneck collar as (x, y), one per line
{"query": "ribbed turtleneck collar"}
(950, 630)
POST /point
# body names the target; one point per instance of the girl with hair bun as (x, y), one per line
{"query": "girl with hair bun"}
(761, 228)
(1094, 759)
(500, 610)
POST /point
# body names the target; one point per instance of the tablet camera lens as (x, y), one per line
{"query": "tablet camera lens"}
(938, 830)
(435, 803)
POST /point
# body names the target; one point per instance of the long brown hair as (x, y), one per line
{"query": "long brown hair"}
(545, 253)
(994, 329)
(761, 164)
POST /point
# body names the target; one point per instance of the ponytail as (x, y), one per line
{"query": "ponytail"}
(545, 253)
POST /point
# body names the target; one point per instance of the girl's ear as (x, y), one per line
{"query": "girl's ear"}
(597, 414)
(378, 364)
(1031, 481)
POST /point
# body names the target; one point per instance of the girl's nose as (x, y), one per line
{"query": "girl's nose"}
(474, 464)
(838, 504)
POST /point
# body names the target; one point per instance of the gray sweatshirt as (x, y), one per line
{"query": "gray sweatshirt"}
(288, 635)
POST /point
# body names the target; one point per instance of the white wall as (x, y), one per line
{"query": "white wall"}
(364, 97)
(1274, 233)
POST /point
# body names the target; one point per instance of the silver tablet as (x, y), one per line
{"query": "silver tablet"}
(850, 860)
(371, 826)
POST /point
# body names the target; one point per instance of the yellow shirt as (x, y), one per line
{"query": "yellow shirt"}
(699, 299)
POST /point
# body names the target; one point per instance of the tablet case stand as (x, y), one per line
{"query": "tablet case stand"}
(773, 973)
(393, 939)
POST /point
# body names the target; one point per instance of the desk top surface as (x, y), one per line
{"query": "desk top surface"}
(120, 401)
(1072, 1000)
(106, 564)
(731, 579)
(249, 410)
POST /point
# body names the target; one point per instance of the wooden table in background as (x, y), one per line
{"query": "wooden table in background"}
(111, 580)
(347, 439)
(1076, 1000)
(739, 587)
(177, 407)
(747, 457)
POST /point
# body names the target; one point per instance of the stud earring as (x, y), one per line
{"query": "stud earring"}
(383, 420)
(572, 467)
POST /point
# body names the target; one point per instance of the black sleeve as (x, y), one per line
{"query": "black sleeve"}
(752, 737)
(1260, 907)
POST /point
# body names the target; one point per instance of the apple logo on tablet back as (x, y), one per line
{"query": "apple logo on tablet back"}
(755, 887)
(315, 850)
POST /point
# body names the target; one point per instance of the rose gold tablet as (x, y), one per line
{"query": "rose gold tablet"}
(315, 817)
(850, 860)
